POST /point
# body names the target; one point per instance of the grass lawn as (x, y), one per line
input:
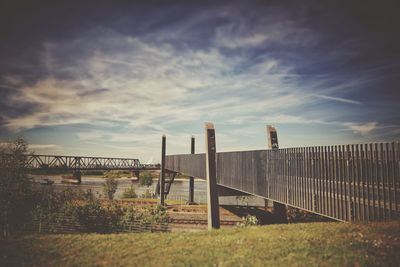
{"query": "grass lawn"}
(311, 244)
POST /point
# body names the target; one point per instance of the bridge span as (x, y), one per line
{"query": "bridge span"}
(56, 162)
(358, 182)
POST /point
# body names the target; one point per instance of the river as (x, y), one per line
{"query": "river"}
(179, 189)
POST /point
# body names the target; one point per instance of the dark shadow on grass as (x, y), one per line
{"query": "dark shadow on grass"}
(21, 251)
(264, 217)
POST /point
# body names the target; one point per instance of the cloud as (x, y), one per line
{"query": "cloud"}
(274, 29)
(338, 99)
(148, 84)
(7, 87)
(42, 146)
(362, 129)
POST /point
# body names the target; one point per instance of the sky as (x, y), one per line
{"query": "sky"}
(97, 78)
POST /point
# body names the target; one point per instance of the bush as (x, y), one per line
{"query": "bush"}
(50, 205)
(146, 179)
(16, 195)
(92, 216)
(249, 220)
(131, 215)
(110, 187)
(129, 193)
(155, 214)
(58, 210)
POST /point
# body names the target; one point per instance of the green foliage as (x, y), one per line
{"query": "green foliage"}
(92, 214)
(110, 187)
(57, 209)
(145, 179)
(94, 217)
(249, 220)
(155, 214)
(129, 193)
(131, 215)
(51, 204)
(16, 195)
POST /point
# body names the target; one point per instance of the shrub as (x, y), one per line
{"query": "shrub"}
(16, 195)
(155, 214)
(146, 179)
(110, 187)
(50, 205)
(130, 215)
(59, 210)
(129, 193)
(91, 215)
(248, 221)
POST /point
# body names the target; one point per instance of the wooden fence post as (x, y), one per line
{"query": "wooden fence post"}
(162, 173)
(211, 174)
(191, 178)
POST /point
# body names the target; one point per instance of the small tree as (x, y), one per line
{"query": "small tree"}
(146, 179)
(110, 187)
(15, 188)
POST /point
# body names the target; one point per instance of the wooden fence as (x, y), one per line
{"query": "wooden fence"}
(346, 182)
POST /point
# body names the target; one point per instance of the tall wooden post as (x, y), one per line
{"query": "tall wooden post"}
(280, 210)
(162, 173)
(191, 179)
(211, 174)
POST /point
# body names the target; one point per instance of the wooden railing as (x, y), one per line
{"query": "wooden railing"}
(346, 182)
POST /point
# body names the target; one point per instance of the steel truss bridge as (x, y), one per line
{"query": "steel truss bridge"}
(53, 162)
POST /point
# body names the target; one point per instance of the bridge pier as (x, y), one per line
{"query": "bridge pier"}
(280, 210)
(191, 179)
(162, 172)
(77, 176)
(211, 178)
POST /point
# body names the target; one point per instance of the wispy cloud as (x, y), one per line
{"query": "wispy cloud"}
(338, 99)
(362, 128)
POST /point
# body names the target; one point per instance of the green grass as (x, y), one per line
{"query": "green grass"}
(311, 244)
